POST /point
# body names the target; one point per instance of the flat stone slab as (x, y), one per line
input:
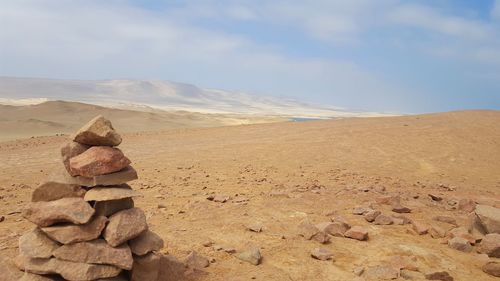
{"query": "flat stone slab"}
(110, 193)
(96, 252)
(68, 270)
(123, 176)
(108, 208)
(147, 242)
(98, 160)
(71, 233)
(98, 131)
(125, 225)
(50, 191)
(36, 244)
(73, 210)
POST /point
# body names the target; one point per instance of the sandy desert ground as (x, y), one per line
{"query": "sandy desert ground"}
(278, 175)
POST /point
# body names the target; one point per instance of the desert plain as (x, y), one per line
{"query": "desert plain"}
(278, 175)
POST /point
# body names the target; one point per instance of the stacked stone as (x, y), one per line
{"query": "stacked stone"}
(87, 225)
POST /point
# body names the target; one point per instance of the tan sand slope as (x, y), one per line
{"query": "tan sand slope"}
(56, 117)
(282, 173)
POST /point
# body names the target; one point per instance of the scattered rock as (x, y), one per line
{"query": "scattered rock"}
(251, 255)
(381, 272)
(371, 215)
(71, 233)
(383, 220)
(361, 210)
(219, 198)
(98, 160)
(50, 191)
(420, 227)
(74, 210)
(404, 219)
(321, 254)
(466, 205)
(194, 260)
(335, 228)
(125, 225)
(490, 245)
(461, 244)
(446, 219)
(147, 242)
(110, 193)
(255, 227)
(489, 218)
(492, 268)
(96, 252)
(435, 197)
(437, 232)
(107, 208)
(462, 232)
(357, 232)
(411, 275)
(36, 244)
(146, 268)
(439, 275)
(98, 131)
(307, 229)
(400, 209)
(321, 237)
(70, 150)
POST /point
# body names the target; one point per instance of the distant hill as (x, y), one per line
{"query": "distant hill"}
(139, 94)
(56, 117)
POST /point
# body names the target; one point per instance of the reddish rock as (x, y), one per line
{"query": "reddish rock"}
(73, 210)
(36, 244)
(98, 131)
(147, 242)
(357, 232)
(321, 254)
(125, 225)
(96, 252)
(50, 191)
(460, 244)
(466, 205)
(307, 229)
(489, 218)
(419, 227)
(490, 245)
(400, 209)
(98, 160)
(439, 275)
(194, 260)
(435, 197)
(492, 268)
(125, 175)
(71, 233)
(70, 150)
(333, 228)
(383, 220)
(371, 215)
(146, 268)
(108, 208)
(171, 269)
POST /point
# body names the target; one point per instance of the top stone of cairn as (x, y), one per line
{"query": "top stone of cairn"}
(98, 132)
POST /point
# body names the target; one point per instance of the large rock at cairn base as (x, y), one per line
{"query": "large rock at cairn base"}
(116, 178)
(125, 225)
(71, 233)
(70, 150)
(98, 160)
(146, 268)
(50, 191)
(110, 193)
(489, 218)
(74, 210)
(68, 270)
(147, 242)
(36, 244)
(98, 131)
(107, 208)
(96, 252)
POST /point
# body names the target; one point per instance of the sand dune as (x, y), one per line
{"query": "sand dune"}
(59, 117)
(282, 173)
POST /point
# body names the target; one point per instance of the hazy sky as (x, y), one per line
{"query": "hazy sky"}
(390, 55)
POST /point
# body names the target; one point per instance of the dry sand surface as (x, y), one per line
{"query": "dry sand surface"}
(278, 175)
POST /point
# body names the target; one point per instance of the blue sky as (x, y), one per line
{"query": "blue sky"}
(381, 55)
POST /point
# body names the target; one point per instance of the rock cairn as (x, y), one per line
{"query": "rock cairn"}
(87, 227)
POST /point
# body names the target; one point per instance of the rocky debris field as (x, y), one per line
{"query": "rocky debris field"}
(407, 198)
